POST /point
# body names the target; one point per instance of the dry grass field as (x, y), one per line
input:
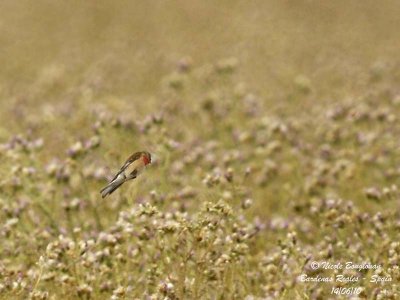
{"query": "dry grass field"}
(276, 131)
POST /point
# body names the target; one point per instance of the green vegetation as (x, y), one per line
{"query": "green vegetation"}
(275, 131)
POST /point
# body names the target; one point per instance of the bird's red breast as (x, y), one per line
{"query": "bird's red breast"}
(146, 160)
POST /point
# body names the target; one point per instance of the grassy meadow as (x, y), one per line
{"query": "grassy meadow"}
(275, 131)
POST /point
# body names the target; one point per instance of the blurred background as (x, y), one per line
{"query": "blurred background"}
(129, 46)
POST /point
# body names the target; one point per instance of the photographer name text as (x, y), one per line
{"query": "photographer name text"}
(326, 265)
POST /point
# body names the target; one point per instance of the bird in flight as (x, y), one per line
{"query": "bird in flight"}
(130, 170)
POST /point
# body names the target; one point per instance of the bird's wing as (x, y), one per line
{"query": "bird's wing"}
(131, 159)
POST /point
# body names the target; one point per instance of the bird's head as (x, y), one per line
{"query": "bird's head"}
(146, 156)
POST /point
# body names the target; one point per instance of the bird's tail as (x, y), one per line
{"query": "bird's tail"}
(111, 187)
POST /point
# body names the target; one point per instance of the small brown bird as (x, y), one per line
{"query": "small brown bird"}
(130, 170)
